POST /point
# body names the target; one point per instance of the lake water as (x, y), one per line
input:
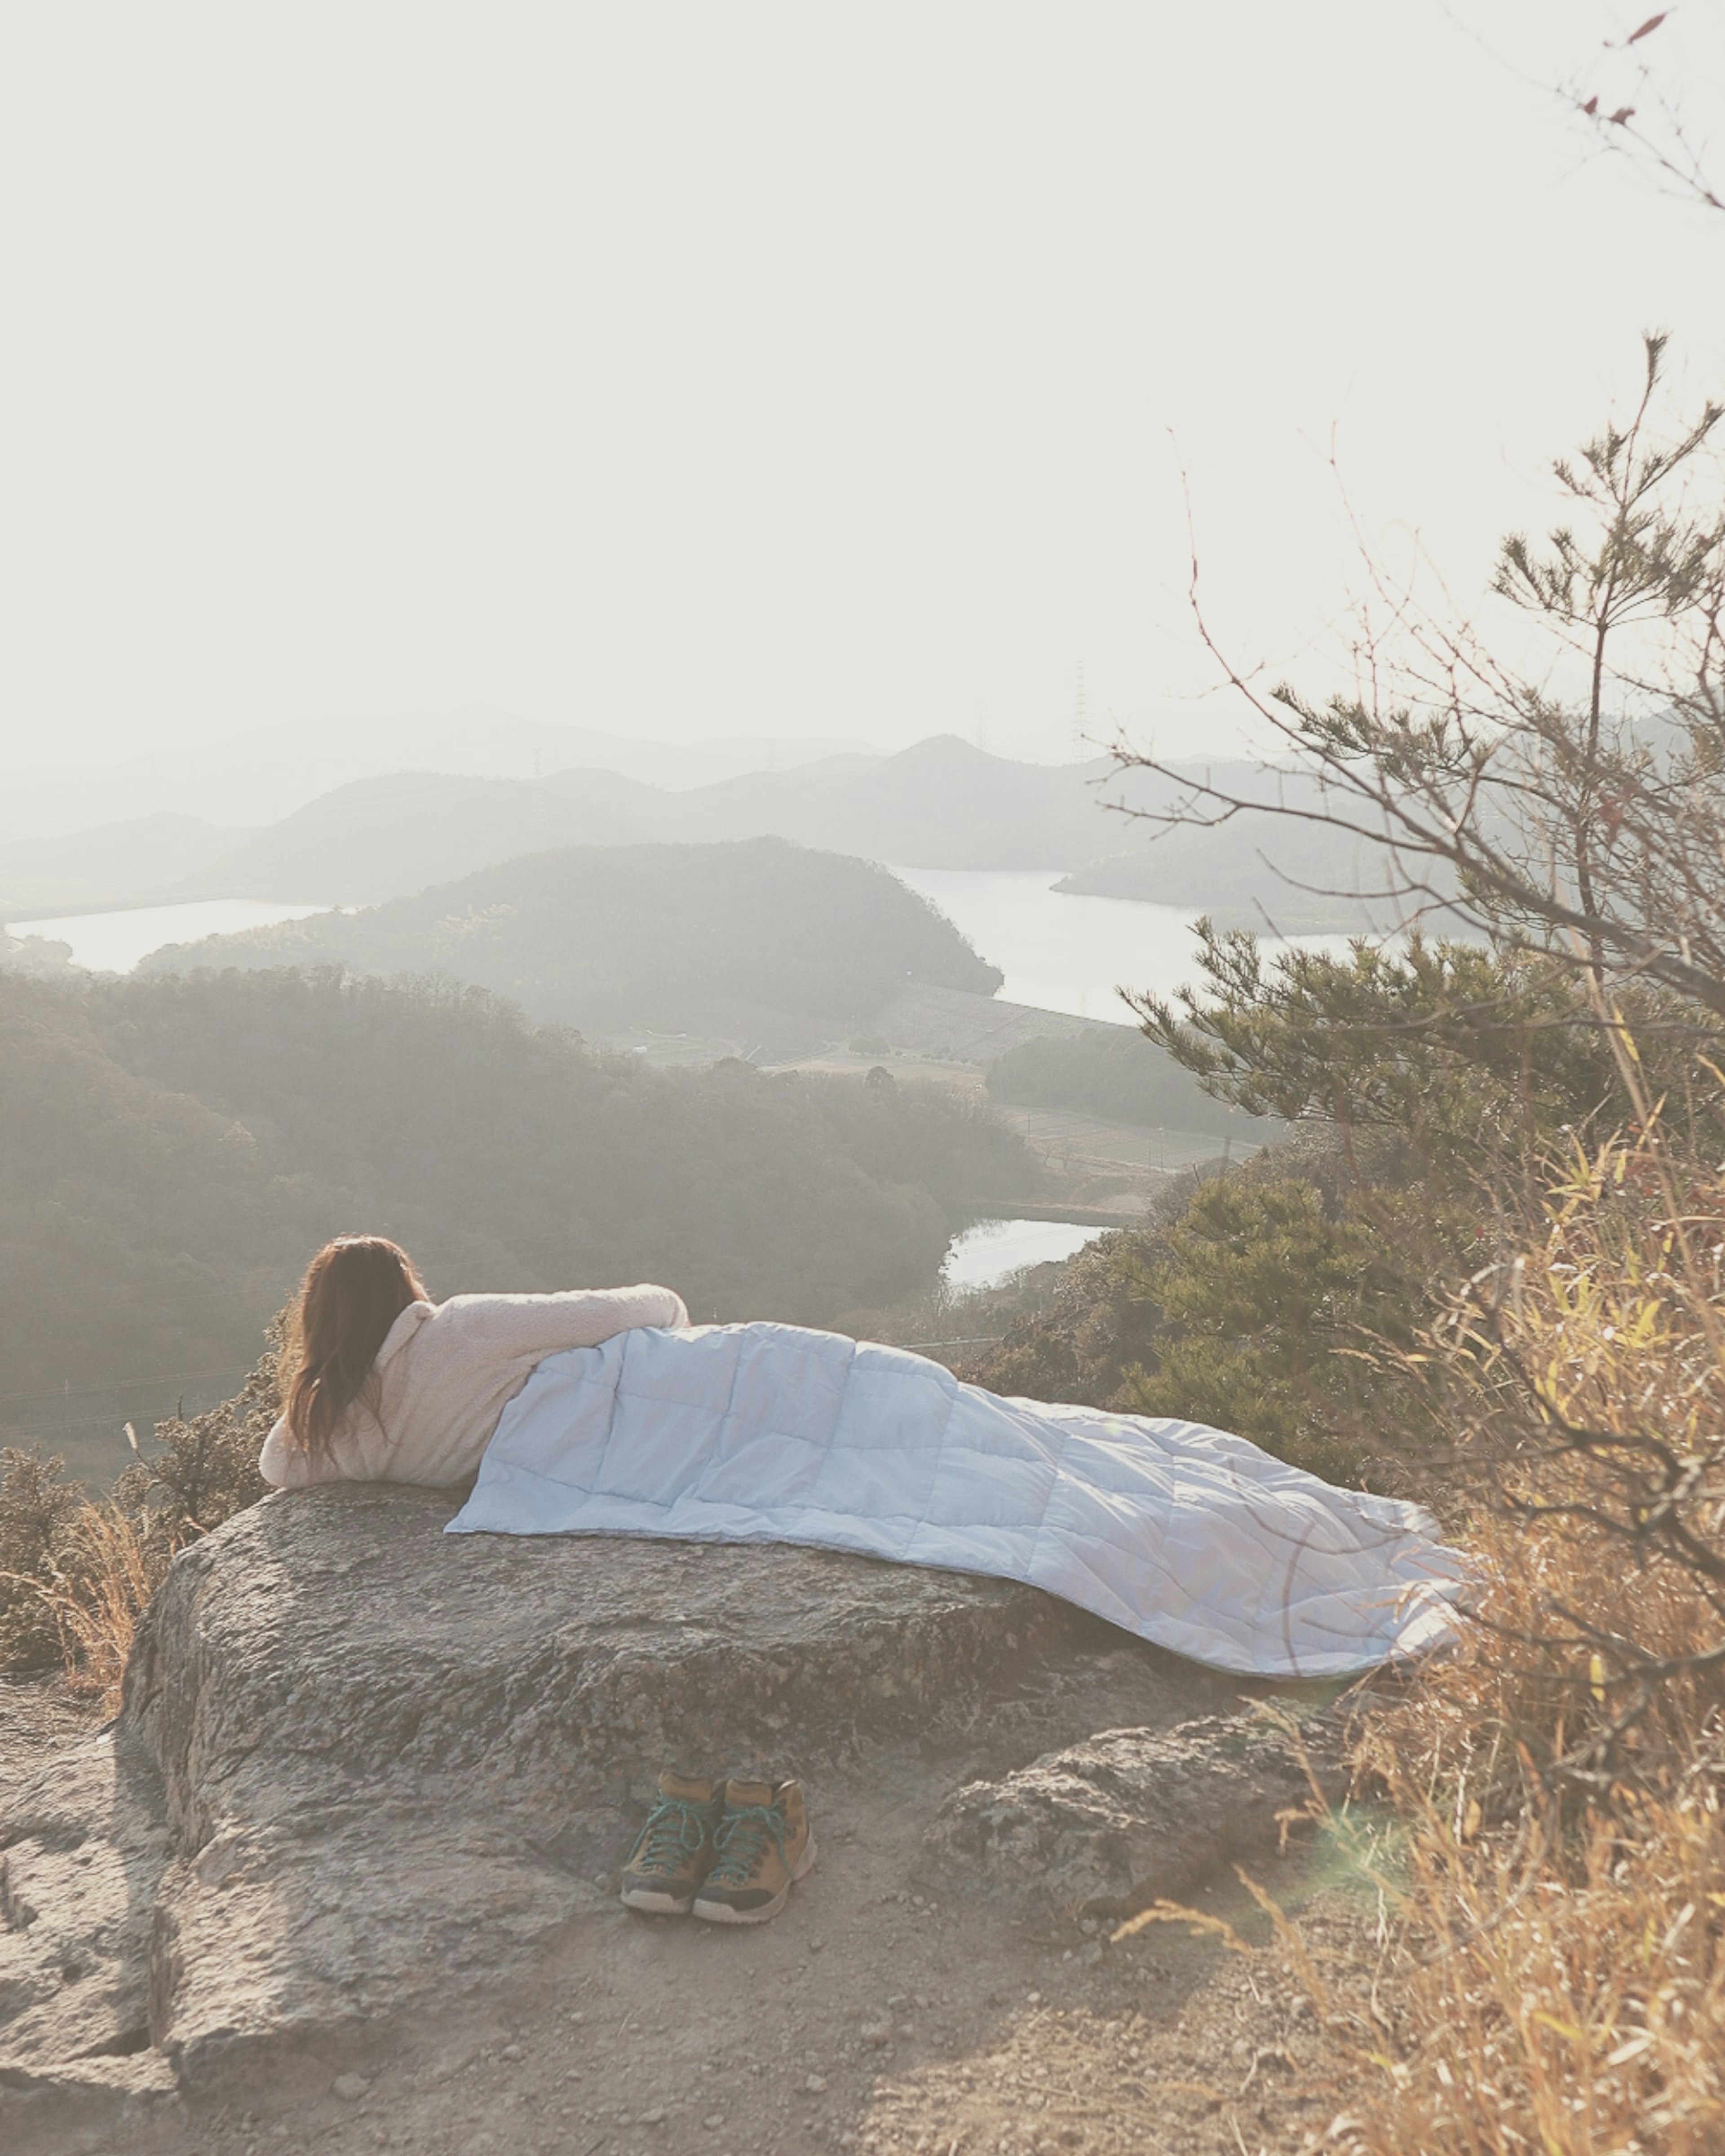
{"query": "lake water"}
(987, 1253)
(114, 942)
(1058, 953)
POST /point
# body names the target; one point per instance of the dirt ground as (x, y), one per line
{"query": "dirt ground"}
(886, 2010)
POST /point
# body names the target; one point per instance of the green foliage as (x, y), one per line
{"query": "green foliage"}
(1466, 1055)
(1262, 1293)
(207, 1467)
(1081, 1347)
(1270, 1301)
(1115, 1073)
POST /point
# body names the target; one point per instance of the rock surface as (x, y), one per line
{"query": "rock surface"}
(83, 1852)
(1129, 1817)
(360, 1761)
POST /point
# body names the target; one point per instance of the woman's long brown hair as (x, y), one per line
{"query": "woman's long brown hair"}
(354, 1290)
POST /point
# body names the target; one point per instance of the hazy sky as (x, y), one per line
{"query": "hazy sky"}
(800, 369)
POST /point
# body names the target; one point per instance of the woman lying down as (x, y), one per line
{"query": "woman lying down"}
(603, 1411)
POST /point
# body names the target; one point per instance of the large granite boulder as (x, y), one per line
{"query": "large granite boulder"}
(360, 1762)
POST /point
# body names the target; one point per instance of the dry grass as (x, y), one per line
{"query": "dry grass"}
(106, 1565)
(76, 1572)
(1556, 1978)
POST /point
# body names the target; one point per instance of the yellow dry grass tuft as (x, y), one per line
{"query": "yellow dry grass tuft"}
(1556, 1981)
(1570, 2000)
(105, 1566)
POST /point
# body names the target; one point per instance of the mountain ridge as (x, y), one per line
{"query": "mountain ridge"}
(941, 802)
(257, 777)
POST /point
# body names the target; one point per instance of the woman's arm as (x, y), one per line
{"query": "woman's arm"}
(578, 1317)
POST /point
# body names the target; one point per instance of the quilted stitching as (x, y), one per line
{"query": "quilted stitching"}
(1187, 1537)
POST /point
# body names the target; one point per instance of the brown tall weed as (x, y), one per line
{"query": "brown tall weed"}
(76, 1573)
(110, 1565)
(1559, 1977)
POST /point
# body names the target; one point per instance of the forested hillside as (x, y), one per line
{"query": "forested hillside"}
(173, 1150)
(762, 937)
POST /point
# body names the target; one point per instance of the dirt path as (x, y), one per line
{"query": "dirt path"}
(883, 2012)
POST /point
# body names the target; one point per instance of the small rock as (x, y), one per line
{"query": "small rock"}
(877, 2033)
(1129, 1814)
(350, 2088)
(653, 2118)
(908, 2030)
(816, 2084)
(510, 2052)
(715, 2123)
(1033, 1998)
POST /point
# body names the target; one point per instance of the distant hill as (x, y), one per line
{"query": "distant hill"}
(387, 838)
(1290, 873)
(941, 804)
(260, 777)
(1280, 876)
(88, 870)
(755, 936)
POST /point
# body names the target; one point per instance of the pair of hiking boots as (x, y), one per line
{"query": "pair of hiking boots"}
(728, 1852)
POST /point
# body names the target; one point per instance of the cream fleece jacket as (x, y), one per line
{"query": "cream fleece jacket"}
(445, 1373)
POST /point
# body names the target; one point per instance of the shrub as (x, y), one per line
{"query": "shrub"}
(37, 1505)
(77, 1572)
(1262, 1292)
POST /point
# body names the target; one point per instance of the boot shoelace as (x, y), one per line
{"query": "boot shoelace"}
(740, 1840)
(675, 1829)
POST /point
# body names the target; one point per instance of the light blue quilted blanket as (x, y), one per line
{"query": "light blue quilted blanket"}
(1199, 1542)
